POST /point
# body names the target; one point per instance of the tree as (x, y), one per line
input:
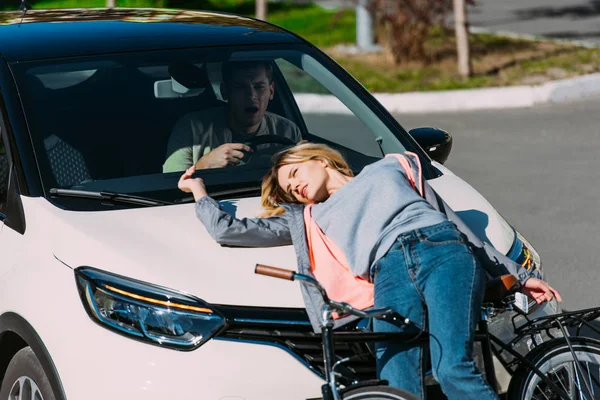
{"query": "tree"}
(110, 3)
(461, 25)
(404, 26)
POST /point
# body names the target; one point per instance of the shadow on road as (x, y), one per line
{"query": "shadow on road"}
(435, 393)
(589, 10)
(573, 35)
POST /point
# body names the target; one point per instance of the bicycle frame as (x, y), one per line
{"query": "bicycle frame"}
(331, 391)
(483, 336)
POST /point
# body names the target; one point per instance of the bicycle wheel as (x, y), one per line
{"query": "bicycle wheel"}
(378, 393)
(580, 381)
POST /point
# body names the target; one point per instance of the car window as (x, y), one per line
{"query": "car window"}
(343, 126)
(114, 122)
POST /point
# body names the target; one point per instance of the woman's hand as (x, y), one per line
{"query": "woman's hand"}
(194, 186)
(539, 290)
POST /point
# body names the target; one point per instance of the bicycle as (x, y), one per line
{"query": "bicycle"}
(369, 390)
(557, 368)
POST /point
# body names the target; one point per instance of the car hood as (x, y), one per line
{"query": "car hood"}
(170, 247)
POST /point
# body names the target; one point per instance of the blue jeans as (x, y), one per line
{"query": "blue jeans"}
(430, 276)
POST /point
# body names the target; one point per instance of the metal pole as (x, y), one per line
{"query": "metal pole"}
(261, 9)
(364, 26)
(462, 38)
(111, 3)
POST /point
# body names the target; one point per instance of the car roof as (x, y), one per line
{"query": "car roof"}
(45, 34)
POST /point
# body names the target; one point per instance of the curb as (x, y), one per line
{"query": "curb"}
(558, 91)
(529, 36)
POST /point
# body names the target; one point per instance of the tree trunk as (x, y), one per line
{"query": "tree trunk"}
(462, 38)
(261, 9)
(110, 3)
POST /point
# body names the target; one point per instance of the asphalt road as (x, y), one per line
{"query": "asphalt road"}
(564, 19)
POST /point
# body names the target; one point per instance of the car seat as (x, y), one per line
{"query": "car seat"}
(67, 164)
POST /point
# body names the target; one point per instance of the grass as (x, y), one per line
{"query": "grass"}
(497, 60)
(321, 27)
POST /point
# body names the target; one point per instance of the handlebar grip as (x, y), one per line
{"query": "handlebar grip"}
(274, 272)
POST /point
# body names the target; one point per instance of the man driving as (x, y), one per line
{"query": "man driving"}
(213, 138)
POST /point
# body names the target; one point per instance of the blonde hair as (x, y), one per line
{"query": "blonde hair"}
(273, 196)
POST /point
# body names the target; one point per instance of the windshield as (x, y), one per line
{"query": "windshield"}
(130, 123)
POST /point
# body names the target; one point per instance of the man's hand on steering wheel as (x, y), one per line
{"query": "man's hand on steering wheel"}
(268, 152)
(222, 156)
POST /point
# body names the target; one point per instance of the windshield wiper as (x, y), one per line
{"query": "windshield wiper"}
(109, 196)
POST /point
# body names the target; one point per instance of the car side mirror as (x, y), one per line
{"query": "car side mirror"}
(436, 142)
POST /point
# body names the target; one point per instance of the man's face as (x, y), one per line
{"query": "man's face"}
(248, 94)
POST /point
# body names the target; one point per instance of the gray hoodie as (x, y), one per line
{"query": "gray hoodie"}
(289, 228)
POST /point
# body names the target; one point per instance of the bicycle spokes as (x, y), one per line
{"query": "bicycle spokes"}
(581, 383)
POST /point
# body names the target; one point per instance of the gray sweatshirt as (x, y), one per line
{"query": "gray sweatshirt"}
(366, 215)
(288, 228)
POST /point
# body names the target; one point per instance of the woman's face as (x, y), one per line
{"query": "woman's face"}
(305, 181)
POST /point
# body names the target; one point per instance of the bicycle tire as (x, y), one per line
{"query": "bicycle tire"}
(379, 392)
(555, 360)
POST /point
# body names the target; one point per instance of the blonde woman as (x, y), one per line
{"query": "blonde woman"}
(379, 239)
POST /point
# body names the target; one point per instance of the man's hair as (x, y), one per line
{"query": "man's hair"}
(230, 67)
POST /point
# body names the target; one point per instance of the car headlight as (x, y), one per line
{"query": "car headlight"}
(146, 312)
(524, 253)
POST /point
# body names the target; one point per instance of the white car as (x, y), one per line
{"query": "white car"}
(110, 287)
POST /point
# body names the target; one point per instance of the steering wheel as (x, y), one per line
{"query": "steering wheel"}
(260, 155)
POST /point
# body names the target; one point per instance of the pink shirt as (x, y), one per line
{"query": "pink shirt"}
(329, 266)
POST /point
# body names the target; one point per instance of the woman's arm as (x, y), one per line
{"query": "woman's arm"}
(227, 230)
(246, 232)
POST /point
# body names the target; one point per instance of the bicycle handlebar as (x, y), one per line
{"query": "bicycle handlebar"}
(386, 313)
(275, 272)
